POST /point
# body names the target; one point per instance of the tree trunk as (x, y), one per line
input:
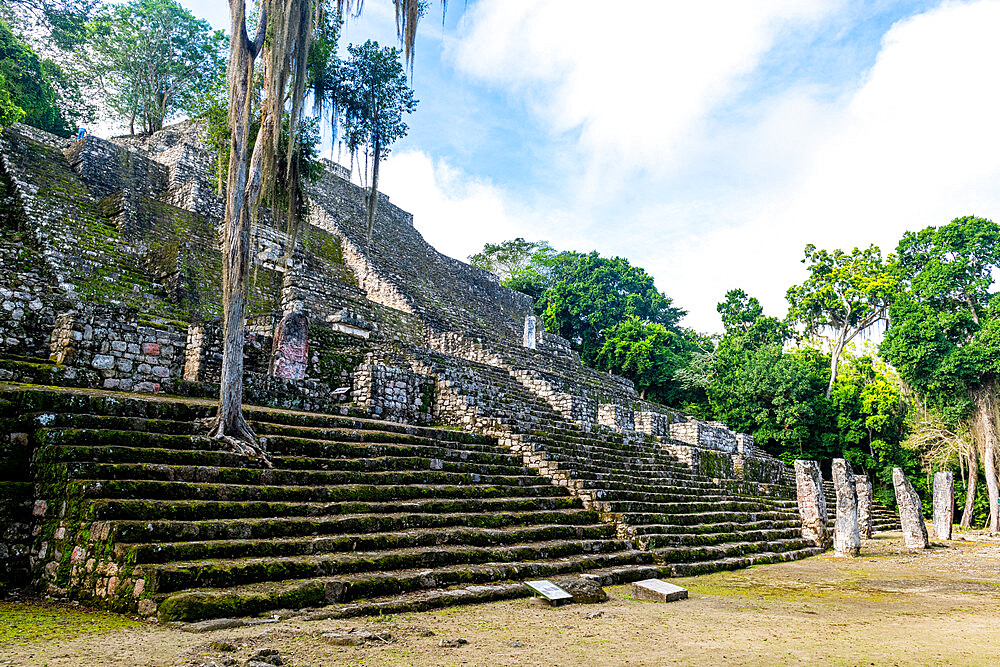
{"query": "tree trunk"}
(970, 487)
(373, 196)
(838, 349)
(229, 423)
(986, 420)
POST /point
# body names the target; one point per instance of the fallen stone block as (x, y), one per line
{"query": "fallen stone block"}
(657, 590)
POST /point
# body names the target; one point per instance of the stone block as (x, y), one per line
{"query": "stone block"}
(657, 590)
(866, 524)
(846, 536)
(944, 504)
(910, 511)
(103, 362)
(151, 349)
(811, 502)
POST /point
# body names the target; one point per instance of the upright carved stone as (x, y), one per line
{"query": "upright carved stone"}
(944, 504)
(910, 513)
(530, 332)
(865, 497)
(290, 352)
(846, 537)
(812, 503)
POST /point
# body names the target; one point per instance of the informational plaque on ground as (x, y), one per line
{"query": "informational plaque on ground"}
(549, 591)
(657, 590)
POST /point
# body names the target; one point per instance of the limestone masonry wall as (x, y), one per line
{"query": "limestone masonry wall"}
(395, 327)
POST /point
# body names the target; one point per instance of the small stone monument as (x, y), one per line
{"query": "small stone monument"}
(290, 350)
(846, 536)
(657, 590)
(812, 503)
(530, 332)
(866, 526)
(944, 504)
(910, 513)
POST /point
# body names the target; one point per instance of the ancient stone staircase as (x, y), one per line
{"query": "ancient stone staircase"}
(689, 522)
(136, 512)
(883, 518)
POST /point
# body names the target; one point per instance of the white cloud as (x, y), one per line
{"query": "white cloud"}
(637, 79)
(456, 213)
(912, 142)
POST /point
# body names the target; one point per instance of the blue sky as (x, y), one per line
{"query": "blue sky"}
(707, 142)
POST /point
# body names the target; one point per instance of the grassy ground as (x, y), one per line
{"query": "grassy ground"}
(941, 606)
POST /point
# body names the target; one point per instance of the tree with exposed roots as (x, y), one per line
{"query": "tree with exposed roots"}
(285, 29)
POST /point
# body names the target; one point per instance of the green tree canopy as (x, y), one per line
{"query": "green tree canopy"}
(846, 293)
(373, 96)
(942, 341)
(153, 58)
(594, 293)
(29, 88)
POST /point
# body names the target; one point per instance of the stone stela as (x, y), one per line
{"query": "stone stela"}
(944, 504)
(549, 592)
(657, 590)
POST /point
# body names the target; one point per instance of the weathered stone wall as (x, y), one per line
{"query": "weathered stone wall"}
(29, 300)
(109, 339)
(395, 394)
(711, 436)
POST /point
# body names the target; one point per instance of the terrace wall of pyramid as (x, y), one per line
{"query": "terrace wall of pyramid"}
(110, 280)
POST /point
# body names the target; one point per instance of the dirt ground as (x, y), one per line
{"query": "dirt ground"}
(888, 607)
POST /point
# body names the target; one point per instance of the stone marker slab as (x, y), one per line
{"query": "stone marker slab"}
(658, 590)
(811, 502)
(910, 512)
(549, 591)
(944, 504)
(846, 536)
(866, 524)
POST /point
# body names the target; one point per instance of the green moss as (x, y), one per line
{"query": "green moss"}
(31, 622)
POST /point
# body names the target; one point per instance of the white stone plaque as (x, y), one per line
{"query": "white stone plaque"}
(658, 590)
(548, 590)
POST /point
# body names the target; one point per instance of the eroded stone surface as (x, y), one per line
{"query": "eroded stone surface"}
(910, 511)
(846, 536)
(290, 353)
(865, 509)
(812, 503)
(944, 504)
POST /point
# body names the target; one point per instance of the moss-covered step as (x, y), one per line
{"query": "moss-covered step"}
(160, 531)
(131, 508)
(273, 547)
(193, 605)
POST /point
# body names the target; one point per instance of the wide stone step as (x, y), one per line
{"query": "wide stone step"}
(221, 573)
(309, 526)
(659, 540)
(689, 569)
(280, 477)
(192, 605)
(275, 445)
(690, 507)
(202, 458)
(621, 496)
(274, 547)
(701, 518)
(611, 480)
(157, 490)
(688, 554)
(189, 510)
(710, 528)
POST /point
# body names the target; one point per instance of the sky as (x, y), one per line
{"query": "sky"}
(706, 142)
